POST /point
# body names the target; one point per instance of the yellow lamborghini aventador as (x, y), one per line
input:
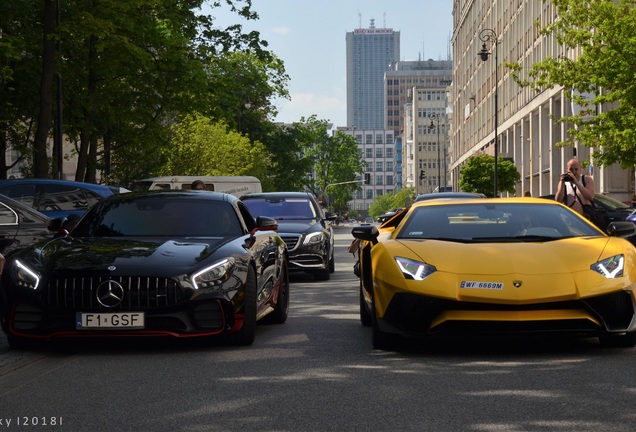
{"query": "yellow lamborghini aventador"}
(498, 266)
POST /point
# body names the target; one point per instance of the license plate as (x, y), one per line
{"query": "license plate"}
(123, 320)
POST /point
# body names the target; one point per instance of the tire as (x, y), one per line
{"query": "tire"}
(18, 343)
(380, 339)
(627, 340)
(365, 316)
(322, 274)
(332, 264)
(246, 335)
(281, 311)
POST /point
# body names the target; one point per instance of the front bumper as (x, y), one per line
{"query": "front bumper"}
(416, 315)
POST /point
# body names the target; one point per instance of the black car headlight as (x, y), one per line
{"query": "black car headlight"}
(414, 269)
(314, 238)
(214, 275)
(24, 276)
(611, 267)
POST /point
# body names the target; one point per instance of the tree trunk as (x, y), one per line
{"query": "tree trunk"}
(40, 159)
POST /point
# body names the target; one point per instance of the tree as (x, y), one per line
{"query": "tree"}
(128, 70)
(384, 203)
(602, 31)
(201, 146)
(478, 175)
(336, 161)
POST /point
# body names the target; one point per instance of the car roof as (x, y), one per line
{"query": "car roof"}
(23, 207)
(173, 193)
(449, 195)
(477, 200)
(277, 195)
(91, 186)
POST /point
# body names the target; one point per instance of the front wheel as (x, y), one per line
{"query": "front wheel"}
(627, 340)
(281, 311)
(246, 335)
(380, 339)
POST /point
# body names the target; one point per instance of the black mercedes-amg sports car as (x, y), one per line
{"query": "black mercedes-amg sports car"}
(179, 263)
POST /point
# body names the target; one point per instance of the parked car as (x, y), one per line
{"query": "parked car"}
(57, 198)
(176, 263)
(304, 226)
(608, 210)
(20, 226)
(502, 266)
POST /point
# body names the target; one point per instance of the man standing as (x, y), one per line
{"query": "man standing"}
(575, 190)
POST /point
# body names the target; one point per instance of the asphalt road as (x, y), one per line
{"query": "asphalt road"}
(318, 372)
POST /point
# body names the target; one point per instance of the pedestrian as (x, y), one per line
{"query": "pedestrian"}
(576, 190)
(198, 185)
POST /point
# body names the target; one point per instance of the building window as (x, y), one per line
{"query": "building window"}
(369, 193)
(389, 180)
(378, 139)
(379, 166)
(369, 138)
(379, 180)
(389, 165)
(369, 153)
(389, 152)
(378, 152)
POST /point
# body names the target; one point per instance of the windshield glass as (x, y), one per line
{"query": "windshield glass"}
(159, 216)
(494, 222)
(610, 203)
(281, 208)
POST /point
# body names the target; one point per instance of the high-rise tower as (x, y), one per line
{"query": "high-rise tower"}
(370, 53)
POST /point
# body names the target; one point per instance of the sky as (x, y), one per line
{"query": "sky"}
(309, 36)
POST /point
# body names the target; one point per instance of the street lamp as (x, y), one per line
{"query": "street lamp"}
(489, 36)
(439, 161)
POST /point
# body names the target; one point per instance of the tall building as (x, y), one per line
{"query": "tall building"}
(526, 121)
(399, 83)
(378, 149)
(370, 54)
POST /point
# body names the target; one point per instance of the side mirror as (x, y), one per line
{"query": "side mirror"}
(331, 216)
(264, 223)
(621, 229)
(366, 232)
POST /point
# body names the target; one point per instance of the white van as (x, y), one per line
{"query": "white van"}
(234, 185)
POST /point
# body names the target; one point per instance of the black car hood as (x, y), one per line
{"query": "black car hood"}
(297, 225)
(130, 255)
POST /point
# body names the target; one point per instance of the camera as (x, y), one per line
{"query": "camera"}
(567, 178)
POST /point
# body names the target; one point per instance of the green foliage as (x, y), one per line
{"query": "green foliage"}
(386, 202)
(201, 146)
(128, 70)
(336, 161)
(604, 31)
(478, 175)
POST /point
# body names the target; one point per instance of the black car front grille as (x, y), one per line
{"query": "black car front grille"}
(291, 241)
(140, 293)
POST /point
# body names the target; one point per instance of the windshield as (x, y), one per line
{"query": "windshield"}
(494, 222)
(610, 203)
(159, 216)
(281, 208)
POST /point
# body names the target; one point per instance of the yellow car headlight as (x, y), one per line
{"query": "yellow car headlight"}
(414, 269)
(611, 267)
